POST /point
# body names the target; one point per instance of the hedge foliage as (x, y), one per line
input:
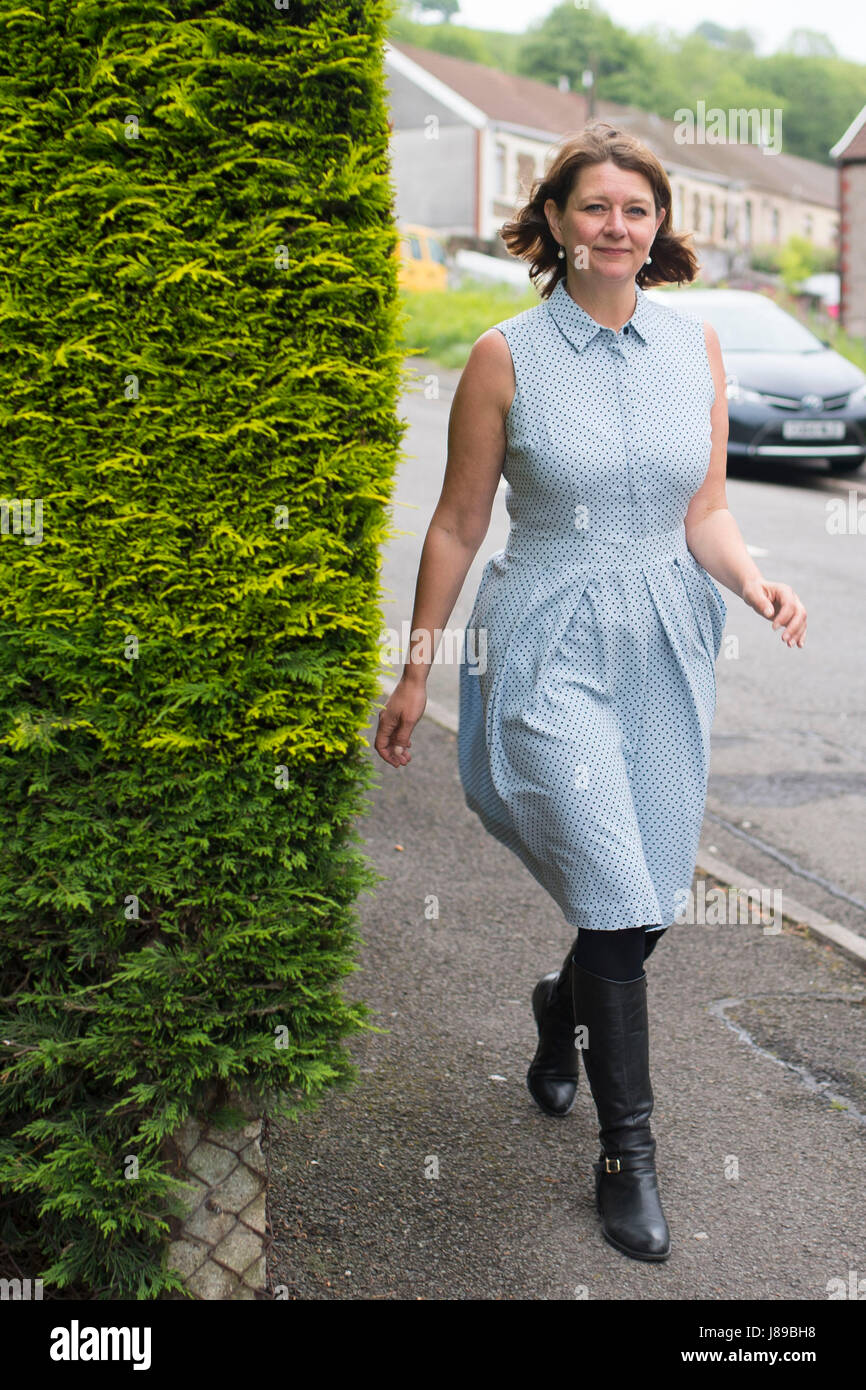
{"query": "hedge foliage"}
(199, 368)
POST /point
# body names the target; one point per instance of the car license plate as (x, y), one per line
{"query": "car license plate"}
(813, 429)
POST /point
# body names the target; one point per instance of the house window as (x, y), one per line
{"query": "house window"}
(499, 176)
(748, 226)
(809, 225)
(525, 172)
(696, 211)
(774, 223)
(680, 201)
(712, 217)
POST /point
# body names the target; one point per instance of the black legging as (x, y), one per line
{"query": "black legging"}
(617, 955)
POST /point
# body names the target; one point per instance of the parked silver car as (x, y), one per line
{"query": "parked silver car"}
(790, 396)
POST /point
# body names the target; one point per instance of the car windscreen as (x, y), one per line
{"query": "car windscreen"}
(758, 327)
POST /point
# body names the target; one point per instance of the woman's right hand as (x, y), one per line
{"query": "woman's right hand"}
(405, 706)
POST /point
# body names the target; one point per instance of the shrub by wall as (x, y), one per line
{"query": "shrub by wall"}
(199, 369)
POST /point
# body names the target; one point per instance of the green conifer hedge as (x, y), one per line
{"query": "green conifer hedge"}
(199, 369)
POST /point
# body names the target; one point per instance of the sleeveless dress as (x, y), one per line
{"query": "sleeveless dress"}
(587, 666)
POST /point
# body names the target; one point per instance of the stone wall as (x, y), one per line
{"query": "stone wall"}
(220, 1243)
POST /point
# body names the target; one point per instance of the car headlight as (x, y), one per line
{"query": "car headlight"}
(735, 392)
(857, 396)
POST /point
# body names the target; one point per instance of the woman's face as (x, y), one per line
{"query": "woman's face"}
(609, 222)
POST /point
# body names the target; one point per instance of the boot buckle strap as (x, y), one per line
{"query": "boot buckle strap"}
(608, 1168)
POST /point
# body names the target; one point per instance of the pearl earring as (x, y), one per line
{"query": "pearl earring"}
(561, 253)
(648, 260)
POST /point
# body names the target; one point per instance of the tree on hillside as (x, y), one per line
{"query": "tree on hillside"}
(809, 43)
(447, 8)
(454, 41)
(819, 96)
(569, 40)
(738, 40)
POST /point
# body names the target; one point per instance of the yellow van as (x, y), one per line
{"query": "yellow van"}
(421, 253)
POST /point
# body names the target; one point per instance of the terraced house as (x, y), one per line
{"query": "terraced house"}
(850, 155)
(467, 141)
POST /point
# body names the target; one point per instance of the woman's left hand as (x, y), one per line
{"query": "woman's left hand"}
(779, 602)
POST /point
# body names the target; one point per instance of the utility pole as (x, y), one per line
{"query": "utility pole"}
(589, 88)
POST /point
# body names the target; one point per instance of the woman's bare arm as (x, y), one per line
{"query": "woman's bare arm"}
(476, 451)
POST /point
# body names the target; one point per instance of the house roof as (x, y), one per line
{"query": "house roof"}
(509, 100)
(502, 96)
(786, 174)
(853, 143)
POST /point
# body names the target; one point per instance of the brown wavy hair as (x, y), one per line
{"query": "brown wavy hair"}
(528, 235)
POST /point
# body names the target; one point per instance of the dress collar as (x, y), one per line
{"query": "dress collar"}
(579, 327)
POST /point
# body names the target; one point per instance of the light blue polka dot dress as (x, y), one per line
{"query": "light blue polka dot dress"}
(587, 673)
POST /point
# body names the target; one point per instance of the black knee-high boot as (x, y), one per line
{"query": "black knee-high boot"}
(616, 1057)
(554, 1070)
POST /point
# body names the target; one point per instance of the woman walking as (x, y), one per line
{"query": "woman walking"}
(587, 679)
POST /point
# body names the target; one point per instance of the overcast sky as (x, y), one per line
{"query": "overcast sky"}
(844, 21)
